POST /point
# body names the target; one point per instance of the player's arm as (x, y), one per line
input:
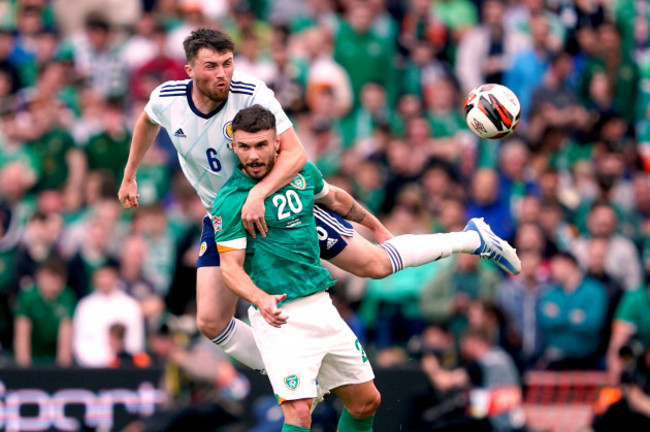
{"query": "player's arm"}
(291, 159)
(144, 134)
(22, 341)
(236, 279)
(342, 203)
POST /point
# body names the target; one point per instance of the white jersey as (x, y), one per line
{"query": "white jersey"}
(204, 141)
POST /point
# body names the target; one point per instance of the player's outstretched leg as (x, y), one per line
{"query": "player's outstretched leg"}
(493, 247)
(365, 259)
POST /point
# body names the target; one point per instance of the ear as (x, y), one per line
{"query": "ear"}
(189, 71)
(276, 142)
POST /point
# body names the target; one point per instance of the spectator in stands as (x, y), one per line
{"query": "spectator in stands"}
(43, 327)
(109, 149)
(515, 179)
(121, 357)
(97, 312)
(159, 67)
(571, 315)
(622, 261)
(446, 298)
(160, 260)
(133, 282)
(287, 80)
(98, 58)
(596, 270)
(554, 102)
(93, 253)
(632, 411)
(431, 408)
(530, 65)
(325, 73)
(63, 165)
(495, 397)
(363, 54)
(484, 202)
(621, 72)
(631, 324)
(202, 373)
(519, 299)
(39, 243)
(485, 52)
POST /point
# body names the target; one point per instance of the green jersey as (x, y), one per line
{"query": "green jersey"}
(287, 260)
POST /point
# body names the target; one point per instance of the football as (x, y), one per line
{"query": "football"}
(492, 111)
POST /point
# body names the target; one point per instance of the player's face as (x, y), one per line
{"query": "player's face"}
(212, 72)
(256, 151)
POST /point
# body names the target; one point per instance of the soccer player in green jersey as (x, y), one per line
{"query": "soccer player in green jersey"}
(306, 341)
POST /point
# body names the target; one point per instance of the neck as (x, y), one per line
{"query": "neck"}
(572, 282)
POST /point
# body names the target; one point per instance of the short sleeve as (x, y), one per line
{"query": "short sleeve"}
(229, 232)
(69, 301)
(320, 187)
(627, 310)
(153, 106)
(23, 302)
(265, 97)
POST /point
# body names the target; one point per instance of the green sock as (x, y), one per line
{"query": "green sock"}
(291, 428)
(349, 423)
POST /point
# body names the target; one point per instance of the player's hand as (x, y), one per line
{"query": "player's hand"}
(381, 234)
(268, 307)
(128, 194)
(252, 215)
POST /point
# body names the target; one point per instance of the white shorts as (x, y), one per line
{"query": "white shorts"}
(314, 344)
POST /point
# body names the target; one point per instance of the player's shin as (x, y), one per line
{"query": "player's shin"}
(411, 250)
(349, 423)
(238, 342)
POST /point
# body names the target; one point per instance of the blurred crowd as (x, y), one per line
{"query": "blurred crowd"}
(375, 90)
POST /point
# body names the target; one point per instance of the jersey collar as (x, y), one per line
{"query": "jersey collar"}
(195, 110)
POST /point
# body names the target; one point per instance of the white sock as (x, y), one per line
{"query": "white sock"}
(238, 342)
(412, 250)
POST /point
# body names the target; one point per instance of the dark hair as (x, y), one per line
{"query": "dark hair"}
(207, 38)
(97, 21)
(566, 256)
(479, 333)
(253, 119)
(56, 266)
(118, 330)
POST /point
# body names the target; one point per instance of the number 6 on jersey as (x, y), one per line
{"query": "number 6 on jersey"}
(215, 165)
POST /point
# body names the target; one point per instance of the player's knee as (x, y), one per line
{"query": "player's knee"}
(366, 406)
(378, 268)
(297, 412)
(211, 326)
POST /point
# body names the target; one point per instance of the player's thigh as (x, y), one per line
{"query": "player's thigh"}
(362, 258)
(333, 232)
(215, 302)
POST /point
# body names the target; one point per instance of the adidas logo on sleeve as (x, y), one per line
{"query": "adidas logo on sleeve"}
(179, 133)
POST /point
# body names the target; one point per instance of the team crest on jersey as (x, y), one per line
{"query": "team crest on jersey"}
(216, 223)
(227, 130)
(204, 246)
(227, 133)
(292, 382)
(299, 182)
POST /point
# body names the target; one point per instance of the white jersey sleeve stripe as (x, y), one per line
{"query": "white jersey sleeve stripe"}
(239, 243)
(323, 192)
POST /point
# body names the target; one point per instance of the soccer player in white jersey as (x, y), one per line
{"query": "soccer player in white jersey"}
(197, 115)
